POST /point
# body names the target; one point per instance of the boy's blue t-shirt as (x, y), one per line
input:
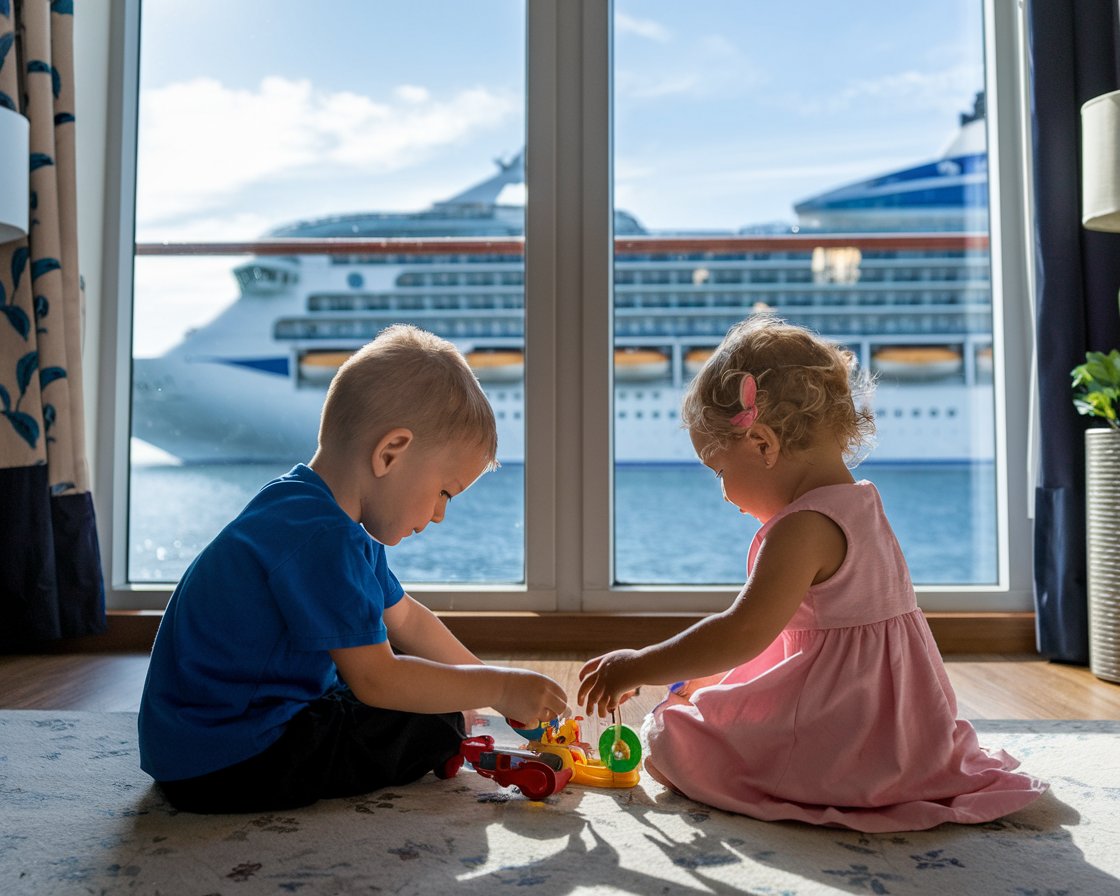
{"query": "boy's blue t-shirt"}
(243, 643)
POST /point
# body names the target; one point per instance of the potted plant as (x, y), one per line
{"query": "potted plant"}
(1096, 393)
(1096, 386)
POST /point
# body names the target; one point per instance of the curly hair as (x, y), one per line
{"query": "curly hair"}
(412, 378)
(807, 386)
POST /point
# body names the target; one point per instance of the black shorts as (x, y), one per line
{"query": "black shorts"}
(336, 746)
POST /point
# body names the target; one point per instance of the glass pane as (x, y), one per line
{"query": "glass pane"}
(816, 163)
(345, 120)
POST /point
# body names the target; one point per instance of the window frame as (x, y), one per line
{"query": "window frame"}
(568, 253)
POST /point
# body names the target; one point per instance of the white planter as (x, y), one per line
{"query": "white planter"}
(1102, 513)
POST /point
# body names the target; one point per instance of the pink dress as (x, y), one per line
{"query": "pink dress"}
(848, 717)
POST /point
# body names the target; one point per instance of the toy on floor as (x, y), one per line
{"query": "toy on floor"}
(534, 775)
(620, 751)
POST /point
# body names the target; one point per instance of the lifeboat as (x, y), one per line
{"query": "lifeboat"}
(497, 366)
(915, 362)
(695, 360)
(640, 364)
(319, 368)
(984, 361)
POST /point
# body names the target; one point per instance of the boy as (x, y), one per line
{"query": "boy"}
(290, 665)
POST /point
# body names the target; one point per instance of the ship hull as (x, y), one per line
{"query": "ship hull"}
(206, 411)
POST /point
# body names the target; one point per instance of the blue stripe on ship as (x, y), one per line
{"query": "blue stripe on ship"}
(955, 187)
(274, 366)
(935, 197)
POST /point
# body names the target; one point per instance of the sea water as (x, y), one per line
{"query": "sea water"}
(671, 524)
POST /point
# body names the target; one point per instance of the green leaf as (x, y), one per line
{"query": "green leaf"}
(1096, 385)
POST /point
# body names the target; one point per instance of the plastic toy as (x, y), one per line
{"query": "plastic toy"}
(620, 752)
(534, 775)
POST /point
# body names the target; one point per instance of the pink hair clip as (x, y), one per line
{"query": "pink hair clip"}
(748, 390)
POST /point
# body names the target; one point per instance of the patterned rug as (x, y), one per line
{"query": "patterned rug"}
(78, 816)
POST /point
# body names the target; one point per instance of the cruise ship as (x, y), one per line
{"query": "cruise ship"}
(896, 267)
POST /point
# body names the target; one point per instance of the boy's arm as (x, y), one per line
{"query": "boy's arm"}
(417, 631)
(380, 677)
(436, 673)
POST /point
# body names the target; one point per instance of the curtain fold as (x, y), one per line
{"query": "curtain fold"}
(1073, 56)
(51, 584)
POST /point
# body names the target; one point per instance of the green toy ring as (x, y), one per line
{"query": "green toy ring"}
(632, 754)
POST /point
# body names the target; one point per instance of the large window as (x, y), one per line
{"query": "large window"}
(299, 187)
(847, 193)
(301, 179)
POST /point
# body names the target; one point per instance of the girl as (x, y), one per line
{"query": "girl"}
(837, 709)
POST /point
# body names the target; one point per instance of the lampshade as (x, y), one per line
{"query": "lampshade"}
(15, 165)
(1100, 168)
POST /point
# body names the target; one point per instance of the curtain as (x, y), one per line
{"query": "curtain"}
(1073, 57)
(50, 568)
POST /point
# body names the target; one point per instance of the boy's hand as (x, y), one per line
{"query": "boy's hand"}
(607, 682)
(531, 698)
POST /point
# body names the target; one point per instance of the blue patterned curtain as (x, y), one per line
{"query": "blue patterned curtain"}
(1073, 51)
(50, 568)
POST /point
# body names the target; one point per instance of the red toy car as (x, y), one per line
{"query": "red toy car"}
(529, 772)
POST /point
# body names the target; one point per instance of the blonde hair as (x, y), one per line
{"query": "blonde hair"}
(410, 378)
(807, 387)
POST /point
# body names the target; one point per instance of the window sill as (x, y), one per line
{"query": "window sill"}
(591, 633)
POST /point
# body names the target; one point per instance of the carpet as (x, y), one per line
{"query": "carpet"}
(78, 816)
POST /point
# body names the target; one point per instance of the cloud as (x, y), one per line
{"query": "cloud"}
(636, 87)
(201, 142)
(646, 28)
(933, 89)
(704, 66)
(412, 93)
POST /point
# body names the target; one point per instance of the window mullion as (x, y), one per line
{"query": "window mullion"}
(596, 296)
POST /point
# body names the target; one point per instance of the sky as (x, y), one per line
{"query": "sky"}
(726, 112)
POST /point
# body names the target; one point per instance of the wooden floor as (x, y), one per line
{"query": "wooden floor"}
(988, 687)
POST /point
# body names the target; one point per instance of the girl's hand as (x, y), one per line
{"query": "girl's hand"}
(531, 698)
(608, 681)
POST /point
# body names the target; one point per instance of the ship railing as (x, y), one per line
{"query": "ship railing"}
(630, 247)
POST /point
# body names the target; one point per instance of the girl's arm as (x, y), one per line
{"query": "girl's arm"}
(803, 549)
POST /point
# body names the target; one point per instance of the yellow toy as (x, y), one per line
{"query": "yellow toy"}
(619, 748)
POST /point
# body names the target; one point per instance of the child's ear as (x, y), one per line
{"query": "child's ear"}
(390, 447)
(765, 443)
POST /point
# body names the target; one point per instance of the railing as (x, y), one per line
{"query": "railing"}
(630, 245)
